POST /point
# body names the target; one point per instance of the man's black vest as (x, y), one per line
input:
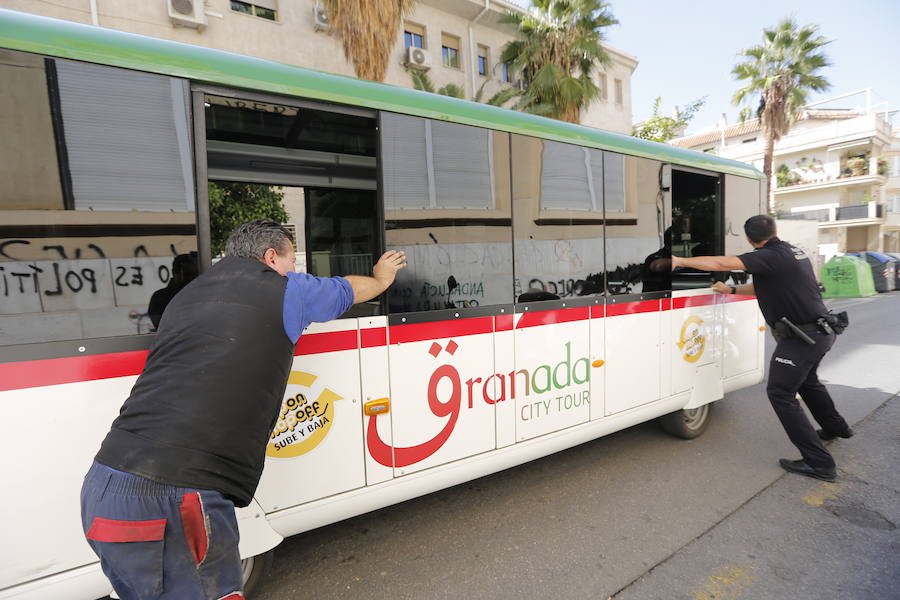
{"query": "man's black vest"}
(201, 413)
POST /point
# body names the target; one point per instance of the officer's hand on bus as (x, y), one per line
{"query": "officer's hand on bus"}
(721, 288)
(676, 262)
(387, 266)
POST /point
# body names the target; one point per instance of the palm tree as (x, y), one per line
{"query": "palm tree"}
(368, 32)
(561, 45)
(781, 71)
(421, 81)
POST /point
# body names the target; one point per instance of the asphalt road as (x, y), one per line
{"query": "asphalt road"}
(640, 515)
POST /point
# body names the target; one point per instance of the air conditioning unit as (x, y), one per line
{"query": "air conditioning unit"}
(320, 18)
(187, 13)
(418, 58)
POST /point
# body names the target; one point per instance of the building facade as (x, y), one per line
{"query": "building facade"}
(456, 41)
(839, 166)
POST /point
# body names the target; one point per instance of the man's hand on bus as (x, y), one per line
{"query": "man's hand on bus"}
(721, 288)
(387, 266)
(383, 274)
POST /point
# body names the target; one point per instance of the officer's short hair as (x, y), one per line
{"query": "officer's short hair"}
(251, 240)
(760, 228)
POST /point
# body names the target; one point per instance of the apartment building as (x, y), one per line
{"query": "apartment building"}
(839, 166)
(455, 41)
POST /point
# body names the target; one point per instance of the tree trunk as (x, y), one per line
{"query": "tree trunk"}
(767, 168)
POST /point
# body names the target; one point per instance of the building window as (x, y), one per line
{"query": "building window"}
(264, 10)
(618, 83)
(710, 150)
(504, 73)
(450, 50)
(482, 60)
(604, 87)
(414, 35)
(748, 140)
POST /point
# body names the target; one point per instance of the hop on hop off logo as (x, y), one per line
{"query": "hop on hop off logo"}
(691, 342)
(305, 419)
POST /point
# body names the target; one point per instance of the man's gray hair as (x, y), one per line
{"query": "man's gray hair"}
(251, 240)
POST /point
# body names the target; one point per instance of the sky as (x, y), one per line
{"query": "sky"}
(686, 49)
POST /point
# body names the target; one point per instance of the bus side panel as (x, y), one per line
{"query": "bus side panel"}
(48, 439)
(695, 327)
(441, 384)
(504, 362)
(553, 370)
(316, 449)
(376, 385)
(598, 361)
(741, 338)
(632, 350)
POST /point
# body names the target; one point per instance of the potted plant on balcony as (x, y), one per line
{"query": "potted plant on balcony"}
(858, 165)
(781, 175)
(882, 165)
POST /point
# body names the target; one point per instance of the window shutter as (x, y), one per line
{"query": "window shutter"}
(127, 139)
(462, 166)
(564, 180)
(404, 152)
(614, 182)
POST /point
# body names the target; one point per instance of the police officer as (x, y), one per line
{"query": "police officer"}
(786, 288)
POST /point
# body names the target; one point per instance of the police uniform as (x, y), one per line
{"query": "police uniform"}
(786, 287)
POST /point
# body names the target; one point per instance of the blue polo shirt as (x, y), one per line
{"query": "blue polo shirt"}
(309, 299)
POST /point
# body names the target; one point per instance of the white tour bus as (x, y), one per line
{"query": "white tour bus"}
(531, 318)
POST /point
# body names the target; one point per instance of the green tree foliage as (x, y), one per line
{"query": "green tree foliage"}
(662, 129)
(778, 75)
(560, 48)
(231, 204)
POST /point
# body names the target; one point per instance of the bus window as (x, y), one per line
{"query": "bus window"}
(447, 205)
(558, 219)
(697, 224)
(96, 198)
(638, 252)
(308, 166)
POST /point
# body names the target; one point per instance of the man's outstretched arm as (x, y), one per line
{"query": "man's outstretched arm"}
(710, 263)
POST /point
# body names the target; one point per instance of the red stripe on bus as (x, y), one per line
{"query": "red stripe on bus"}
(549, 317)
(632, 308)
(503, 323)
(691, 301)
(55, 371)
(317, 343)
(737, 298)
(373, 338)
(441, 329)
(597, 311)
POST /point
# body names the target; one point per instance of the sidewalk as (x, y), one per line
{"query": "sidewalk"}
(800, 538)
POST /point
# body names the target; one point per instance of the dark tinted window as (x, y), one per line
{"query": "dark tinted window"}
(638, 251)
(558, 219)
(696, 224)
(96, 198)
(447, 205)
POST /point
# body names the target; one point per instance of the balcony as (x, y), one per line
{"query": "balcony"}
(870, 213)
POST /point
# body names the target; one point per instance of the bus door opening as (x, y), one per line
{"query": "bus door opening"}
(309, 166)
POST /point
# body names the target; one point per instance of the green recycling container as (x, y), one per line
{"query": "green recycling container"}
(847, 277)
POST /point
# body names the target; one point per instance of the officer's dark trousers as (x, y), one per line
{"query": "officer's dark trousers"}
(792, 370)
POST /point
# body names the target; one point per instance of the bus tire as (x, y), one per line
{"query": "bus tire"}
(687, 424)
(254, 569)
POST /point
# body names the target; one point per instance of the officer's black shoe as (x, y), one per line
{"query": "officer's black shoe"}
(800, 467)
(828, 435)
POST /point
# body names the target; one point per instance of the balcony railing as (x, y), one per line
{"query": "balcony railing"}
(869, 210)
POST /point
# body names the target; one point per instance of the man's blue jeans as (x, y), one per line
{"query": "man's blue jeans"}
(158, 541)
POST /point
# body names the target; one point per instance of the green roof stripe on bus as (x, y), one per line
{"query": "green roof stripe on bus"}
(64, 39)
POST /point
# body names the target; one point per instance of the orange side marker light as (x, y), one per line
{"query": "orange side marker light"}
(377, 407)
(598, 363)
(762, 327)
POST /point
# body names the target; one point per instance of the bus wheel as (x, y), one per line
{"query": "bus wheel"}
(254, 569)
(687, 424)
